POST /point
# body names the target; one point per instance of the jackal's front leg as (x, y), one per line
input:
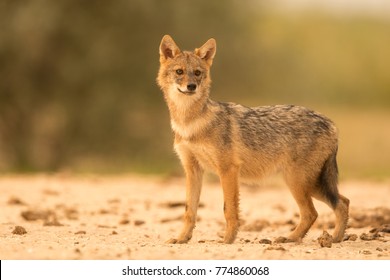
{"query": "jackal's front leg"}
(194, 174)
(229, 182)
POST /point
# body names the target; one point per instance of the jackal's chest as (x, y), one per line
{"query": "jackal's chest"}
(206, 154)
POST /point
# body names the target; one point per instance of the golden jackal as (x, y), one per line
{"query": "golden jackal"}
(238, 142)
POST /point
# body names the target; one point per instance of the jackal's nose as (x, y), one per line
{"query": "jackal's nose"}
(191, 87)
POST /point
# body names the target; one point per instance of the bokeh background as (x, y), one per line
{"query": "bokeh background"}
(78, 91)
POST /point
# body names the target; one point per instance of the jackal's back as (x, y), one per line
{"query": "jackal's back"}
(283, 127)
(262, 139)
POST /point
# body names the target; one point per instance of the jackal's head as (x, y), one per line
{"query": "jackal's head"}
(183, 74)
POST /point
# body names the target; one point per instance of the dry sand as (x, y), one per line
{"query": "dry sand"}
(131, 217)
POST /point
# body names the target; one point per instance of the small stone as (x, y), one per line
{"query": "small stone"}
(124, 221)
(138, 222)
(282, 239)
(365, 252)
(350, 237)
(369, 236)
(33, 215)
(53, 222)
(15, 201)
(325, 240)
(19, 230)
(276, 247)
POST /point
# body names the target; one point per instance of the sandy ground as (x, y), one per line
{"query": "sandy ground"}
(131, 217)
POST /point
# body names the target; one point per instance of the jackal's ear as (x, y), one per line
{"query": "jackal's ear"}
(207, 51)
(168, 48)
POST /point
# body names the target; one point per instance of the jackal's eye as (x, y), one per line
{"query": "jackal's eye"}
(197, 72)
(179, 71)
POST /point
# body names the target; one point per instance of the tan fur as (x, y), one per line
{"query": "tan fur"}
(239, 143)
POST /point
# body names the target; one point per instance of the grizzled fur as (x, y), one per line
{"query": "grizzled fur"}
(243, 143)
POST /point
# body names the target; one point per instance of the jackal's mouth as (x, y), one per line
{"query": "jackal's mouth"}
(187, 92)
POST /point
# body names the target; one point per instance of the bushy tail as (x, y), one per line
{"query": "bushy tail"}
(328, 180)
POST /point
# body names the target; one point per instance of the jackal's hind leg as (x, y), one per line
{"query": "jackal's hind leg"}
(308, 214)
(341, 212)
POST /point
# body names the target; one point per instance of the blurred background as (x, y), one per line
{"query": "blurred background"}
(78, 90)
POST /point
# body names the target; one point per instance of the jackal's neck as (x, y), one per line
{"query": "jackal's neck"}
(187, 112)
(184, 108)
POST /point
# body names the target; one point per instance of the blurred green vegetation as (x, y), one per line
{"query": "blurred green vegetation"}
(78, 91)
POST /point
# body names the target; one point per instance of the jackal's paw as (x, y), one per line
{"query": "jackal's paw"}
(176, 241)
(229, 238)
(339, 238)
(228, 241)
(282, 239)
